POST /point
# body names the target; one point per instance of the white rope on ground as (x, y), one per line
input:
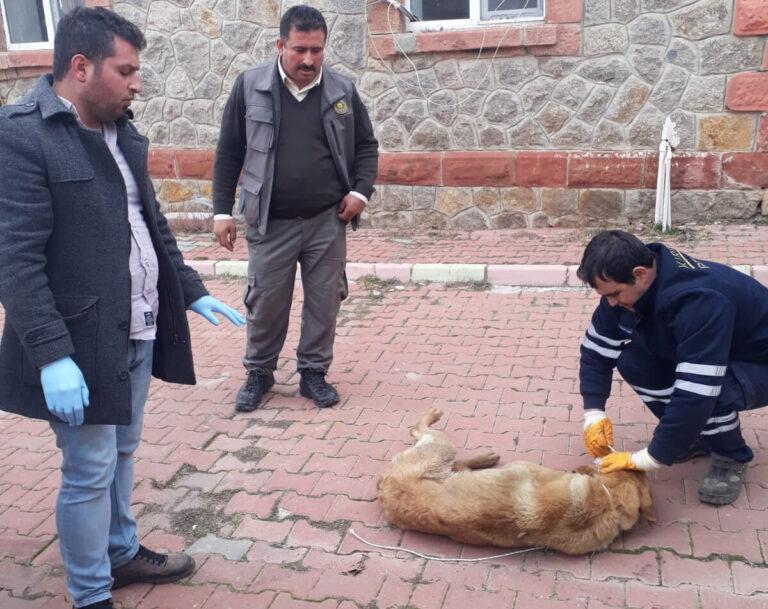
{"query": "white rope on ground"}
(418, 85)
(441, 558)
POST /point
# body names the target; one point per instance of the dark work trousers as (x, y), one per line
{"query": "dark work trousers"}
(319, 245)
(745, 386)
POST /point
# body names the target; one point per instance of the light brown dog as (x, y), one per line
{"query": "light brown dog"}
(520, 504)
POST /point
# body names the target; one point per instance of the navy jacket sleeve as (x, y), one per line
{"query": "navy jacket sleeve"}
(601, 347)
(702, 325)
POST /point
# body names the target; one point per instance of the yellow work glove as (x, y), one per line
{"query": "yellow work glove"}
(616, 461)
(640, 460)
(598, 433)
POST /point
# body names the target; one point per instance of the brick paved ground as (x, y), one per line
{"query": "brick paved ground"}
(289, 481)
(733, 244)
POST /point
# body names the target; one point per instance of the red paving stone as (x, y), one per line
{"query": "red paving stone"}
(732, 244)
(293, 480)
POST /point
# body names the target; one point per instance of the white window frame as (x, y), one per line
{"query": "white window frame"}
(474, 20)
(30, 46)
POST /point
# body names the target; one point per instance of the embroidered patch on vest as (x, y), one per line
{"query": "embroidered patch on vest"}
(340, 107)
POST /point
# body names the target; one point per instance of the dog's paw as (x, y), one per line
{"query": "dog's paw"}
(488, 459)
(433, 415)
(481, 461)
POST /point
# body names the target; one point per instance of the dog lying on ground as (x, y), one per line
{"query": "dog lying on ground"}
(520, 504)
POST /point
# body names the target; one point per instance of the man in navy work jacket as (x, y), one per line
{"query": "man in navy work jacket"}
(303, 140)
(95, 293)
(691, 338)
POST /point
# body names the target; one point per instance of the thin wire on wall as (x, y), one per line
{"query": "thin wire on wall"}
(418, 85)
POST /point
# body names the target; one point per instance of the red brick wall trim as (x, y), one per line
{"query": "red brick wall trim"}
(16, 73)
(196, 164)
(745, 170)
(748, 91)
(414, 168)
(542, 169)
(528, 168)
(690, 170)
(546, 39)
(471, 168)
(182, 163)
(26, 59)
(162, 162)
(750, 18)
(606, 169)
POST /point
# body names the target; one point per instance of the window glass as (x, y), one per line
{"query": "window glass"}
(26, 21)
(510, 8)
(61, 7)
(436, 10)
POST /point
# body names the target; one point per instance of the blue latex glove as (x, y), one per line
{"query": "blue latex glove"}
(66, 393)
(208, 305)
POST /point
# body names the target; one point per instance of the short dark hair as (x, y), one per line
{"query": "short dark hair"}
(302, 18)
(91, 32)
(612, 255)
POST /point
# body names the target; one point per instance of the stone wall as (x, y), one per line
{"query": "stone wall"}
(595, 76)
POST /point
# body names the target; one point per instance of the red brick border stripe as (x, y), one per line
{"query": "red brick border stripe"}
(471, 168)
(606, 169)
(529, 168)
(745, 170)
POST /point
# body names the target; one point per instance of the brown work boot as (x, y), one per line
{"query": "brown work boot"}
(149, 567)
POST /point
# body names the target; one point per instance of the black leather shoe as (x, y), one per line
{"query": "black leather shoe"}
(313, 386)
(258, 382)
(149, 567)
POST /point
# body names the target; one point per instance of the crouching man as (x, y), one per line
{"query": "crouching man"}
(691, 338)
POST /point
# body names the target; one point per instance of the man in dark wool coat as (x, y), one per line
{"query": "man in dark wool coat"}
(95, 294)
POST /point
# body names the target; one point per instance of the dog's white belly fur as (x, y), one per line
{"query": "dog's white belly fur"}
(425, 439)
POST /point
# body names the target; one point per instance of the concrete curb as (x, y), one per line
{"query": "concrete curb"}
(508, 275)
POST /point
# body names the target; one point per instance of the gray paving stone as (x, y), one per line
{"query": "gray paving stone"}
(231, 549)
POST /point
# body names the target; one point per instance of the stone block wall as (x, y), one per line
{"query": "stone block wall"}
(548, 123)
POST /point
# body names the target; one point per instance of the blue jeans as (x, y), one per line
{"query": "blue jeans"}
(96, 528)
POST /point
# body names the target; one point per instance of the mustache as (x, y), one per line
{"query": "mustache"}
(304, 68)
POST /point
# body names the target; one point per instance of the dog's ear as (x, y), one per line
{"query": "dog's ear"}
(587, 470)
